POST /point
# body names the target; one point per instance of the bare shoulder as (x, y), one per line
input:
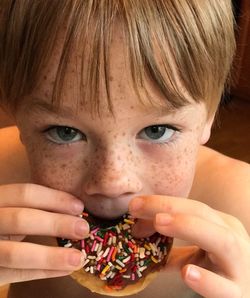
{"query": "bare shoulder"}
(223, 183)
(13, 160)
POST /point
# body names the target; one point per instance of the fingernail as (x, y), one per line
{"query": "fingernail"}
(76, 259)
(81, 228)
(78, 207)
(163, 219)
(193, 274)
(136, 205)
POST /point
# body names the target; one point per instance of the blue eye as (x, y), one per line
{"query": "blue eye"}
(64, 134)
(158, 133)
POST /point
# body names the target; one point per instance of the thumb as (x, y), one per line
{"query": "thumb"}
(143, 228)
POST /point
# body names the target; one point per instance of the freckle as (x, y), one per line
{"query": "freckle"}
(111, 78)
(52, 171)
(153, 168)
(45, 78)
(131, 107)
(63, 166)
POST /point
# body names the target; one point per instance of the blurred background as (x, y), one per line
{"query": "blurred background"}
(231, 131)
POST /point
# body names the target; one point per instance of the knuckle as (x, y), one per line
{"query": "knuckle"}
(230, 242)
(7, 256)
(26, 191)
(236, 223)
(205, 210)
(16, 219)
(50, 259)
(57, 226)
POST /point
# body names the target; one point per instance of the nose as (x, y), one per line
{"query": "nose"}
(112, 175)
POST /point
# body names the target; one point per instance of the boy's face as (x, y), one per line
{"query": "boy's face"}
(105, 161)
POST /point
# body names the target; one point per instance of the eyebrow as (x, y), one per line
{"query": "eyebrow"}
(163, 110)
(38, 105)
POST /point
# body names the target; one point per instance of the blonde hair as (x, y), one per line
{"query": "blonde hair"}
(198, 35)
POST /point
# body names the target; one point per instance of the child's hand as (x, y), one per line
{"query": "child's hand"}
(28, 209)
(219, 264)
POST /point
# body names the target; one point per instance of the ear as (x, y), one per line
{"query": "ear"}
(205, 135)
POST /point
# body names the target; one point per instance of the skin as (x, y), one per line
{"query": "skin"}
(111, 167)
(108, 162)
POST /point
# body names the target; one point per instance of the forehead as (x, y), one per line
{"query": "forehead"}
(114, 87)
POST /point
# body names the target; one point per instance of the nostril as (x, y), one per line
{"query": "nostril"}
(112, 185)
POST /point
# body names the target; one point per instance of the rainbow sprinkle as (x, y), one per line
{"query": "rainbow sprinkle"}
(117, 258)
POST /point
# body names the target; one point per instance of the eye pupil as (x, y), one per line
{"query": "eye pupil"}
(155, 132)
(66, 133)
(67, 130)
(155, 129)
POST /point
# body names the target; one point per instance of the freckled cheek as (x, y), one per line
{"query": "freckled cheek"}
(62, 173)
(172, 176)
(172, 180)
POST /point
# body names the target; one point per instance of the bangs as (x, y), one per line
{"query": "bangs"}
(92, 27)
(184, 48)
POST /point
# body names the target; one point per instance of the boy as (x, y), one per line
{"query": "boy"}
(113, 100)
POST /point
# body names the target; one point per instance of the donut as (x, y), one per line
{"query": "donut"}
(116, 264)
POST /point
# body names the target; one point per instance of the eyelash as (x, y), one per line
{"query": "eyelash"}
(172, 140)
(52, 143)
(169, 142)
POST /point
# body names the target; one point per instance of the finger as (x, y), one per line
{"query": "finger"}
(39, 197)
(33, 256)
(234, 223)
(180, 256)
(26, 221)
(147, 207)
(208, 284)
(215, 239)
(18, 275)
(143, 228)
